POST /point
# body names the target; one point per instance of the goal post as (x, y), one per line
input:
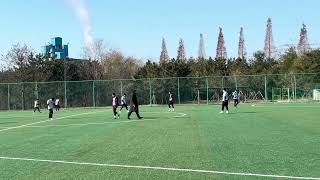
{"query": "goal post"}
(281, 94)
(316, 94)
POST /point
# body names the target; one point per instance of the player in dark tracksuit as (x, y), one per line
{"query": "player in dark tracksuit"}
(134, 105)
(115, 106)
(171, 102)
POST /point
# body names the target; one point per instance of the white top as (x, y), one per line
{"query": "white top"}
(225, 96)
(36, 103)
(57, 102)
(124, 100)
(235, 95)
(50, 104)
(114, 103)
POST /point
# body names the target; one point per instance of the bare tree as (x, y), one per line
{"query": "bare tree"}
(115, 65)
(95, 55)
(17, 58)
(97, 52)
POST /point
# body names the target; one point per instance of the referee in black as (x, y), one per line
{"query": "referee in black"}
(134, 105)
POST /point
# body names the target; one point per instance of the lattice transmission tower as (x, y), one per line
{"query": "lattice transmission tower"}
(269, 48)
(303, 45)
(181, 51)
(221, 49)
(242, 52)
(164, 56)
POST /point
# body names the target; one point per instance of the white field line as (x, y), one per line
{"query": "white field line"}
(181, 114)
(285, 106)
(25, 125)
(159, 168)
(98, 123)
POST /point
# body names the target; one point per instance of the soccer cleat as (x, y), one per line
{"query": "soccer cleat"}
(169, 110)
(172, 110)
(221, 112)
(227, 112)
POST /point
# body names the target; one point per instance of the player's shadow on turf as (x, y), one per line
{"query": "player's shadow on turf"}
(150, 118)
(244, 113)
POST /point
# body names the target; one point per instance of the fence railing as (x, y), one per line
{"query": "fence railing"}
(197, 90)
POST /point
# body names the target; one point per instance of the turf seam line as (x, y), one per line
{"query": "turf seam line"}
(160, 168)
(26, 125)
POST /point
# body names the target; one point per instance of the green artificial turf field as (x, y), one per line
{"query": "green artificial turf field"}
(195, 142)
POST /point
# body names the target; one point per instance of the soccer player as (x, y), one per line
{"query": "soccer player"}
(225, 101)
(134, 105)
(36, 106)
(57, 104)
(51, 103)
(235, 98)
(124, 102)
(115, 103)
(171, 104)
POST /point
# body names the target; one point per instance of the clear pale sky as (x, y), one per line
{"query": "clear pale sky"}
(136, 26)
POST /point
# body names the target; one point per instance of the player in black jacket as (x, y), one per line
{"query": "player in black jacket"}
(134, 105)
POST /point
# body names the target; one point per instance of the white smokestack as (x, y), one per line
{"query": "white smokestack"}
(83, 15)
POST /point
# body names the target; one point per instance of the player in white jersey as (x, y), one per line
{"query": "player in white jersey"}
(235, 98)
(115, 106)
(51, 103)
(57, 104)
(225, 101)
(36, 106)
(124, 102)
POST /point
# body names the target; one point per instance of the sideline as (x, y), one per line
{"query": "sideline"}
(158, 168)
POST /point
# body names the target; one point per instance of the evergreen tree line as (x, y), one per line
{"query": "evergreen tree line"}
(22, 64)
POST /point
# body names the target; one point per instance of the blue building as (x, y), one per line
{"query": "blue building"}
(56, 49)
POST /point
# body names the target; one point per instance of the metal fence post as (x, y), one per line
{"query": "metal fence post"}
(36, 91)
(65, 95)
(93, 94)
(235, 79)
(8, 96)
(207, 84)
(179, 91)
(22, 96)
(222, 82)
(150, 92)
(265, 88)
(295, 87)
(121, 88)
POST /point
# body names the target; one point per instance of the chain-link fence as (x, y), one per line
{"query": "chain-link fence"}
(186, 90)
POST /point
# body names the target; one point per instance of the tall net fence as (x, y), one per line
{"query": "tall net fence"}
(186, 90)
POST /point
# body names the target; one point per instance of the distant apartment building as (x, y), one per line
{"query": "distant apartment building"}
(56, 49)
